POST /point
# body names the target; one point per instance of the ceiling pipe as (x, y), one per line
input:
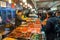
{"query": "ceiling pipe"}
(54, 5)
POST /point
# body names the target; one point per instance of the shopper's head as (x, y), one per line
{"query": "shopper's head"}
(49, 14)
(58, 13)
(42, 16)
(19, 12)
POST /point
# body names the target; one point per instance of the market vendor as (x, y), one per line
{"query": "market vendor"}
(19, 17)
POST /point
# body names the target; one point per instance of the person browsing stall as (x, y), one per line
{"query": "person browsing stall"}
(19, 18)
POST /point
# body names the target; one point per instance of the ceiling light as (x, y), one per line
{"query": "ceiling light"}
(24, 1)
(9, 1)
(29, 6)
(21, 3)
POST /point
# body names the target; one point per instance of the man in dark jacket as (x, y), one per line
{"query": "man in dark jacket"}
(18, 19)
(50, 27)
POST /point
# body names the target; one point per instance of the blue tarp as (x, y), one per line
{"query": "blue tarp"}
(7, 12)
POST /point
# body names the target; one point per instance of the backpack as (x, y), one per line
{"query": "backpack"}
(57, 25)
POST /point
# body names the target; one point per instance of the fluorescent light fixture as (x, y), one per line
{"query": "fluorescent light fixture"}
(24, 1)
(55, 8)
(9, 1)
(44, 11)
(29, 6)
(21, 3)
